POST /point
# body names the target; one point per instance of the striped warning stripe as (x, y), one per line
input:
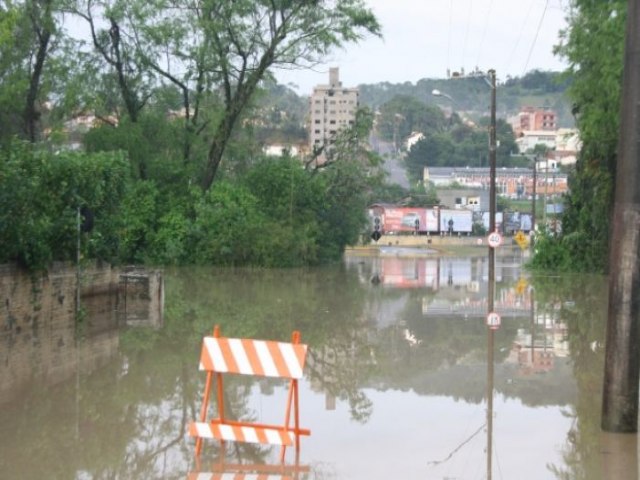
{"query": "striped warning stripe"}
(241, 433)
(253, 357)
(236, 476)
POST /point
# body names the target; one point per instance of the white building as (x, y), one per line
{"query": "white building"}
(279, 150)
(528, 139)
(332, 107)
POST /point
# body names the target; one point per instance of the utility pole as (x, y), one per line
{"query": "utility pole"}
(621, 372)
(492, 268)
(533, 200)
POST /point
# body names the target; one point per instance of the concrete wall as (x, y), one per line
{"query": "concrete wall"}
(40, 340)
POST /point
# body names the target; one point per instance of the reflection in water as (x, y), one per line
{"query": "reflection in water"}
(396, 378)
(238, 466)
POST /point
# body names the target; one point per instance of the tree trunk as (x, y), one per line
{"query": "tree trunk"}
(31, 115)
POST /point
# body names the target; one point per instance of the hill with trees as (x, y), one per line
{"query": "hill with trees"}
(472, 96)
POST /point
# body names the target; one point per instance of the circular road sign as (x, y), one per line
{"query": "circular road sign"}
(493, 320)
(494, 239)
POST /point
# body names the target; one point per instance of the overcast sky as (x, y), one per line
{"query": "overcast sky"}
(424, 38)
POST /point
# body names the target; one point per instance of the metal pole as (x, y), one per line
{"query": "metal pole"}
(621, 370)
(492, 268)
(533, 201)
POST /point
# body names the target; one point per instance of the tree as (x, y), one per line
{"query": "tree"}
(250, 37)
(216, 52)
(41, 194)
(593, 46)
(28, 36)
(404, 114)
(115, 47)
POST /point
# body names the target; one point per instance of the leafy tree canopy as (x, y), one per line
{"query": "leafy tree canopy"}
(593, 46)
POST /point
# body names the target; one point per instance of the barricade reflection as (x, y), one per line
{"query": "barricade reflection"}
(222, 468)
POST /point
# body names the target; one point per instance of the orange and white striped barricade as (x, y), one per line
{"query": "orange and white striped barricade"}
(250, 357)
(243, 471)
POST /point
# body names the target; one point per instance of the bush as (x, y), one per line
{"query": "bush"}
(41, 193)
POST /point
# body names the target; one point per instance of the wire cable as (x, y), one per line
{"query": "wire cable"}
(466, 33)
(524, 24)
(535, 39)
(449, 39)
(484, 33)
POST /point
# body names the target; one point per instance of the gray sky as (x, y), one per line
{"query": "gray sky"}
(424, 38)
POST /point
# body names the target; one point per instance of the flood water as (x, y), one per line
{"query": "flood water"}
(397, 384)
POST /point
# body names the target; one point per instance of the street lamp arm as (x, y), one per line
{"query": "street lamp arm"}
(437, 93)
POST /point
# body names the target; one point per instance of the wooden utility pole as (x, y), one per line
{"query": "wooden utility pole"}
(492, 269)
(621, 375)
(533, 201)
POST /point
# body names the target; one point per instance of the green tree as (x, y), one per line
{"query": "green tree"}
(115, 50)
(593, 47)
(249, 38)
(41, 195)
(28, 37)
(225, 49)
(404, 114)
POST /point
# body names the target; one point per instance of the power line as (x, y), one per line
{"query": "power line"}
(456, 449)
(524, 24)
(466, 33)
(450, 28)
(535, 39)
(484, 33)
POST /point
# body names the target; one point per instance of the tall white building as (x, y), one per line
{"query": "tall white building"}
(332, 107)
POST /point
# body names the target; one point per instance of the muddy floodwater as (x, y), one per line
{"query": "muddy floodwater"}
(403, 378)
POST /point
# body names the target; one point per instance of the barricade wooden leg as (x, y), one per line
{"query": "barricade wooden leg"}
(203, 410)
(296, 413)
(219, 385)
(205, 400)
(292, 397)
(287, 416)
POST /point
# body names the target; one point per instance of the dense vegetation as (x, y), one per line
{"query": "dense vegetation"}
(593, 46)
(471, 94)
(446, 142)
(172, 169)
(276, 213)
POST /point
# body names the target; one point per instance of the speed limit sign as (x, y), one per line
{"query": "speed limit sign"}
(494, 239)
(493, 320)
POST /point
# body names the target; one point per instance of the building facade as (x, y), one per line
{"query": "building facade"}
(511, 182)
(532, 118)
(332, 107)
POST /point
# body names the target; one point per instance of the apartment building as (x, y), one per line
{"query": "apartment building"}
(532, 118)
(332, 107)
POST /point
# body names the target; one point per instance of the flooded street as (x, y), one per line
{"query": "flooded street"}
(397, 383)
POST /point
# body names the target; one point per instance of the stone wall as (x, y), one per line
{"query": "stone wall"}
(38, 327)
